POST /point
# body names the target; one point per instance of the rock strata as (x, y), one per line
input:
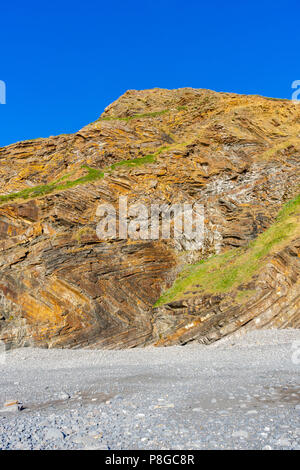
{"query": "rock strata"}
(238, 156)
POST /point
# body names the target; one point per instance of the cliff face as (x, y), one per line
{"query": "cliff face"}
(238, 156)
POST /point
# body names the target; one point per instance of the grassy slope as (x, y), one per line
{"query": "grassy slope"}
(221, 273)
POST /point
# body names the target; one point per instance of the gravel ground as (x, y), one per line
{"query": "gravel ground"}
(239, 393)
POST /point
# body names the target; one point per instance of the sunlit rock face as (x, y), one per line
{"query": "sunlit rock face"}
(238, 157)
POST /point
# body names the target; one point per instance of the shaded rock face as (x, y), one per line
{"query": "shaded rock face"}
(60, 286)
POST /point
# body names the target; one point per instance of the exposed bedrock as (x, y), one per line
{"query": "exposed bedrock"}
(238, 156)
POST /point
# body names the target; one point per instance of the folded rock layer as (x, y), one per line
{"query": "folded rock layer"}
(238, 156)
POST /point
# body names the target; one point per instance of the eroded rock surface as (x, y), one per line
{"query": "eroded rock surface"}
(238, 156)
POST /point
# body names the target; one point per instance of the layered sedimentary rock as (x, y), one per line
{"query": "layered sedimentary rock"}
(238, 156)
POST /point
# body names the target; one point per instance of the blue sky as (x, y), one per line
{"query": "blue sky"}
(64, 61)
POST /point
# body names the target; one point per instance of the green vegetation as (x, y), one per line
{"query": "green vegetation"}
(220, 273)
(154, 114)
(83, 232)
(41, 190)
(289, 209)
(65, 177)
(27, 193)
(134, 162)
(64, 182)
(135, 116)
(243, 295)
(278, 149)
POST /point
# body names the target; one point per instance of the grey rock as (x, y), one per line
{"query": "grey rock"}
(53, 434)
(241, 434)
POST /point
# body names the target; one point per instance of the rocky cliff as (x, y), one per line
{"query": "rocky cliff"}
(238, 156)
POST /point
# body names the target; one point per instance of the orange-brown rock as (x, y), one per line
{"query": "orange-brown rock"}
(60, 286)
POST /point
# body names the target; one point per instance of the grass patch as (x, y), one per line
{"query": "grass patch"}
(244, 295)
(42, 190)
(82, 233)
(135, 162)
(277, 149)
(221, 273)
(289, 209)
(135, 116)
(27, 193)
(93, 174)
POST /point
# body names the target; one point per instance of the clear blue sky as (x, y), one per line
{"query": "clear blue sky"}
(64, 61)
